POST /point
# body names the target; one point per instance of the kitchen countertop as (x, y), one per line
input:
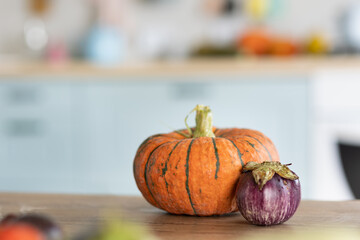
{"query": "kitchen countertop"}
(223, 66)
(75, 213)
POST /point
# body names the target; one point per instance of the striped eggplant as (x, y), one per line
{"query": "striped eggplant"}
(268, 193)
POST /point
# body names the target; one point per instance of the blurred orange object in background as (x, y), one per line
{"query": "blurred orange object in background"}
(254, 42)
(258, 42)
(283, 47)
(39, 6)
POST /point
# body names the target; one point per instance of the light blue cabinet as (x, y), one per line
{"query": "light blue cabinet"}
(35, 135)
(71, 135)
(97, 158)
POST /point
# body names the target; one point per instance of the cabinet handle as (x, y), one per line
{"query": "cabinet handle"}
(22, 95)
(191, 91)
(23, 127)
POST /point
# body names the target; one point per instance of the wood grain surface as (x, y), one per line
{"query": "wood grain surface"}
(78, 213)
(300, 65)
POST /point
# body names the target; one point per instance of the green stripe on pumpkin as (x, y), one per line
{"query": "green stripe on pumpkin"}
(270, 157)
(164, 170)
(217, 158)
(187, 176)
(147, 169)
(238, 151)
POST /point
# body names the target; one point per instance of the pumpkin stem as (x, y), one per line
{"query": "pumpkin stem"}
(203, 120)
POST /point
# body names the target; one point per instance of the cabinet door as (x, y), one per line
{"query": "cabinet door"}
(140, 112)
(57, 116)
(97, 162)
(36, 124)
(3, 148)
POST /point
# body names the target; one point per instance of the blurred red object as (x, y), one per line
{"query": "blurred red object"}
(20, 232)
(254, 42)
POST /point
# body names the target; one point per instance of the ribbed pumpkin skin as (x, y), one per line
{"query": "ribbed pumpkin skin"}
(198, 176)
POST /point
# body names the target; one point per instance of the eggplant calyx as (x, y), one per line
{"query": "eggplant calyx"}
(265, 171)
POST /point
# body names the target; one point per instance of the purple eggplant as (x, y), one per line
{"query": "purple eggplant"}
(268, 193)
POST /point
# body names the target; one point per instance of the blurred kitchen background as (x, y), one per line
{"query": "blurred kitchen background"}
(83, 83)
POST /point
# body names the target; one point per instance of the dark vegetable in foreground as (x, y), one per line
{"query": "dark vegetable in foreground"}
(20, 232)
(268, 193)
(46, 226)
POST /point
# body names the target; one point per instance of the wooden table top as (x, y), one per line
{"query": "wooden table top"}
(75, 213)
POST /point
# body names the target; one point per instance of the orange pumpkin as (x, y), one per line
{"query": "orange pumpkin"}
(195, 171)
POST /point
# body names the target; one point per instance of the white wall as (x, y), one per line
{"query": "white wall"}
(335, 108)
(66, 19)
(70, 20)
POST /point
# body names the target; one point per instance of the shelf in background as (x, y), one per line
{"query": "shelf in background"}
(223, 66)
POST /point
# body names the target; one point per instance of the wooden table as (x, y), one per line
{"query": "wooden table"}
(75, 213)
